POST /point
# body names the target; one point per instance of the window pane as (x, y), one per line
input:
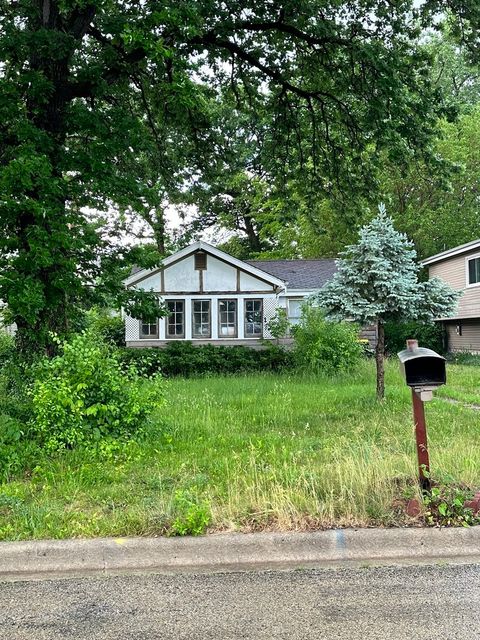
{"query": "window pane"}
(471, 271)
(227, 318)
(175, 319)
(201, 319)
(253, 317)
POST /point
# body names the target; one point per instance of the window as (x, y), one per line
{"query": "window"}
(295, 310)
(253, 318)
(176, 318)
(474, 271)
(200, 261)
(201, 319)
(148, 329)
(227, 318)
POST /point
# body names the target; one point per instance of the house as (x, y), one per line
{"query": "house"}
(215, 298)
(460, 268)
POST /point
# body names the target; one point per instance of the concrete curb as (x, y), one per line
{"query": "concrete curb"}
(237, 552)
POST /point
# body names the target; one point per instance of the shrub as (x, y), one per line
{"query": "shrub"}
(187, 360)
(279, 324)
(321, 345)
(84, 394)
(428, 334)
(7, 347)
(109, 328)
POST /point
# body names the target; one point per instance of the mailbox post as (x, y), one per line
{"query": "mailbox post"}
(424, 371)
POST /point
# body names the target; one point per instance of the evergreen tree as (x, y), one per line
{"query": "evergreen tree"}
(377, 280)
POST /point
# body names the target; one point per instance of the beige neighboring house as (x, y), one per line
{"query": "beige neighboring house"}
(460, 268)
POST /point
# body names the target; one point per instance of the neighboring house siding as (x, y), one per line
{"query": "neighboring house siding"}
(453, 271)
(469, 340)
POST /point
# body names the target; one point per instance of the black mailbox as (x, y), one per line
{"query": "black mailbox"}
(423, 367)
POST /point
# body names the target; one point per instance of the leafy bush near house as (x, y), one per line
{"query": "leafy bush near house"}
(187, 360)
(428, 334)
(84, 394)
(109, 328)
(325, 346)
(7, 347)
(279, 324)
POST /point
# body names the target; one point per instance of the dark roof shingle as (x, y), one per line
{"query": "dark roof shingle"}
(298, 274)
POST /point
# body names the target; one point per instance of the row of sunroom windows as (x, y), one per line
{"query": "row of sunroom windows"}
(202, 319)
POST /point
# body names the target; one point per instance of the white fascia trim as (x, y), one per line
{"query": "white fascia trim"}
(299, 293)
(208, 248)
(463, 248)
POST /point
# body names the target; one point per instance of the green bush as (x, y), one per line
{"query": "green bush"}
(7, 347)
(109, 328)
(429, 335)
(187, 360)
(325, 346)
(84, 394)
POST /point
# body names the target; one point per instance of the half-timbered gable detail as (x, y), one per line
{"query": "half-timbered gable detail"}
(212, 297)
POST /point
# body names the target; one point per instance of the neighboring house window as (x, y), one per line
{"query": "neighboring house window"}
(201, 319)
(176, 318)
(148, 329)
(253, 318)
(295, 310)
(227, 318)
(474, 271)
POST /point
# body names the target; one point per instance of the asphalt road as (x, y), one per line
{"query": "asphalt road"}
(385, 603)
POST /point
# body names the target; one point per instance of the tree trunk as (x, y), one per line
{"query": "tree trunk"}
(380, 358)
(252, 235)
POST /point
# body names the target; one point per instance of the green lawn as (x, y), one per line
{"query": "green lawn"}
(253, 452)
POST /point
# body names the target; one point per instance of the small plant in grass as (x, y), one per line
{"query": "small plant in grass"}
(83, 395)
(444, 506)
(192, 515)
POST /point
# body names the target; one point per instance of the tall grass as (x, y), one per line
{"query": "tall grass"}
(249, 453)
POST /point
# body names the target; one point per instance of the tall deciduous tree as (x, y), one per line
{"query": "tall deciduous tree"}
(79, 80)
(377, 280)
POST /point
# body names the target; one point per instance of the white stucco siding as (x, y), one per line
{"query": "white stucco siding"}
(152, 283)
(250, 283)
(219, 276)
(182, 276)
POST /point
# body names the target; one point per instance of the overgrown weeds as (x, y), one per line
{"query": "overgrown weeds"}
(250, 453)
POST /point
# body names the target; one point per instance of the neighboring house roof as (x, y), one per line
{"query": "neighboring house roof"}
(449, 253)
(299, 274)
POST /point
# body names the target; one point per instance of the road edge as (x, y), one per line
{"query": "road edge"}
(46, 559)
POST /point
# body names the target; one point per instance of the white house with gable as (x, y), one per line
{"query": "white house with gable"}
(214, 298)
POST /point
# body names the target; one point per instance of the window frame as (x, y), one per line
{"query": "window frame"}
(168, 336)
(250, 336)
(467, 271)
(144, 336)
(291, 318)
(202, 337)
(235, 335)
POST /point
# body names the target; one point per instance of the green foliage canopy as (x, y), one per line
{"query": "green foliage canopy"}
(107, 105)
